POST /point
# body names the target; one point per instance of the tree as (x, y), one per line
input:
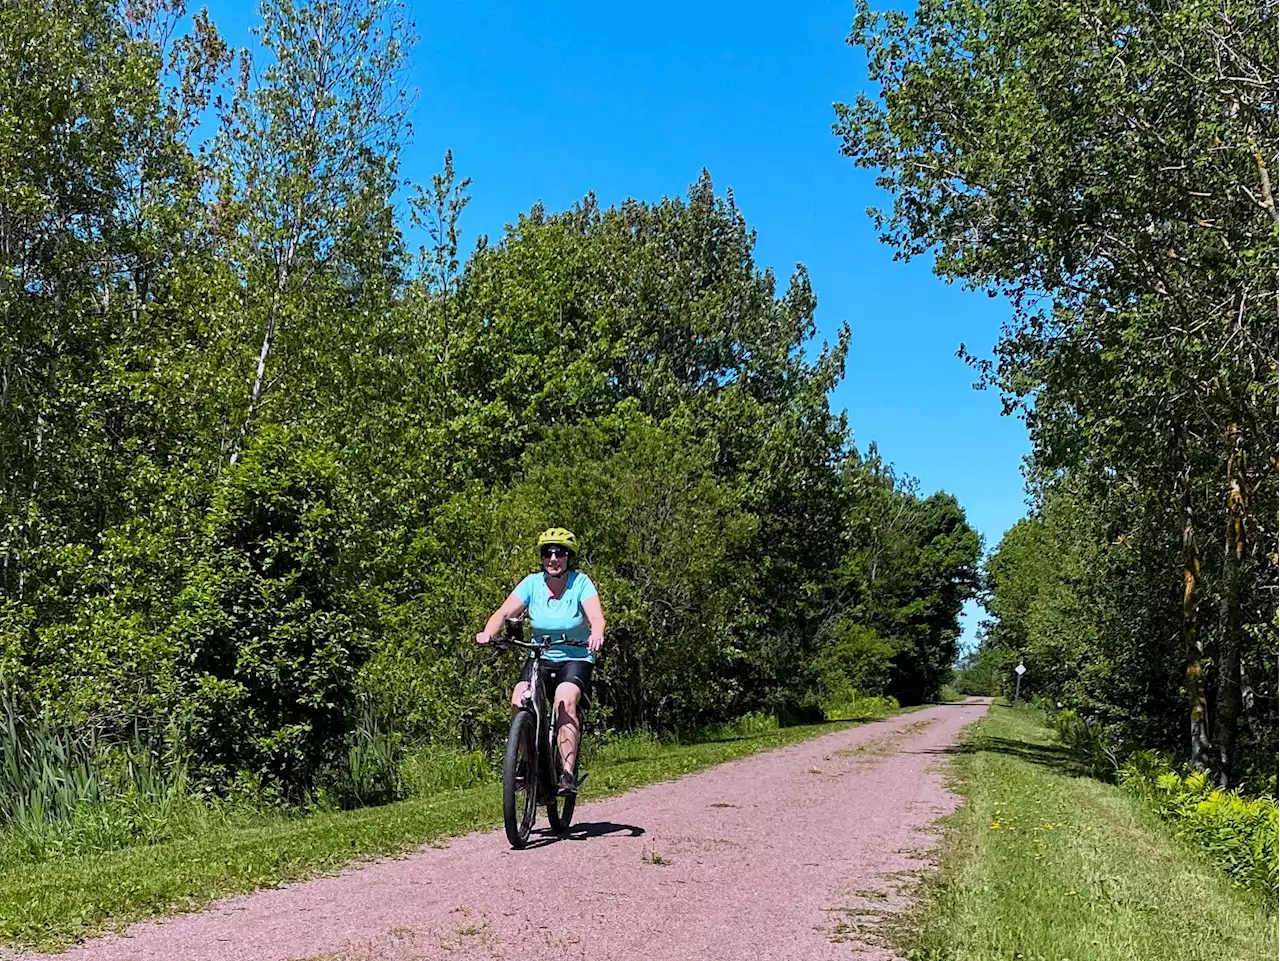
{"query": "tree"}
(308, 157)
(1107, 168)
(99, 243)
(273, 624)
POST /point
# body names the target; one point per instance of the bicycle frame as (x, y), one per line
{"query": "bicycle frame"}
(535, 700)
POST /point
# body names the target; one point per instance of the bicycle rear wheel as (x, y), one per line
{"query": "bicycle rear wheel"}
(520, 779)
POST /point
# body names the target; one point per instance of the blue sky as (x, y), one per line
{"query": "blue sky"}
(547, 102)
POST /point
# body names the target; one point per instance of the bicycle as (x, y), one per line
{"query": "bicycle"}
(532, 767)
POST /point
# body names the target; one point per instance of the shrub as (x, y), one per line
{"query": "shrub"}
(1089, 740)
(854, 664)
(1239, 833)
(272, 622)
(859, 655)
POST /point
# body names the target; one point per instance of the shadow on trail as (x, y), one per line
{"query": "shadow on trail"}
(584, 832)
(1058, 758)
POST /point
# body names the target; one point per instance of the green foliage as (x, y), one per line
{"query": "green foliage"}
(1088, 740)
(663, 544)
(950, 694)
(1088, 615)
(753, 724)
(431, 770)
(856, 662)
(983, 672)
(68, 792)
(860, 708)
(910, 565)
(1106, 167)
(372, 770)
(1241, 835)
(273, 625)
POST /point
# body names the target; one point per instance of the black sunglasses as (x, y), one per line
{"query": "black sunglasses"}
(555, 552)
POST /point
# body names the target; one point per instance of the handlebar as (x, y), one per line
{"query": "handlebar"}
(545, 643)
(512, 635)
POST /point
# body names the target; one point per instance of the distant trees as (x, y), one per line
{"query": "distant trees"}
(1109, 169)
(263, 470)
(910, 565)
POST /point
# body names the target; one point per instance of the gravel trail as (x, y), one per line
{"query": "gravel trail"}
(795, 855)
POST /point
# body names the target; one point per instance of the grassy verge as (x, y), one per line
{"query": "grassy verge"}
(1043, 864)
(52, 903)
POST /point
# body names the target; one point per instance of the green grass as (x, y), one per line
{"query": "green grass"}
(1043, 863)
(57, 901)
(949, 694)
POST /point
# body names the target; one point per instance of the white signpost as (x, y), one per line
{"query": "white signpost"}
(1019, 670)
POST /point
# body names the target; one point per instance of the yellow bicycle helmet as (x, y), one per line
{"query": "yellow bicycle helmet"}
(558, 535)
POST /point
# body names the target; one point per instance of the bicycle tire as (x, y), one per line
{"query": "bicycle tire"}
(520, 779)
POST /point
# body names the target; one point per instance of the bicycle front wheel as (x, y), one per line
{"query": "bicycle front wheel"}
(520, 779)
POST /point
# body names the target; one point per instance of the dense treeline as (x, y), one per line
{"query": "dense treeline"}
(1109, 167)
(264, 469)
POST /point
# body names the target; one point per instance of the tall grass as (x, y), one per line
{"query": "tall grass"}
(371, 771)
(443, 768)
(860, 708)
(66, 792)
(748, 725)
(45, 774)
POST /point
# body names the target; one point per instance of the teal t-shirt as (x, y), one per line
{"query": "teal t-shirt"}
(559, 615)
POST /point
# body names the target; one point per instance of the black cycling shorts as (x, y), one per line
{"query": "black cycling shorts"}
(561, 672)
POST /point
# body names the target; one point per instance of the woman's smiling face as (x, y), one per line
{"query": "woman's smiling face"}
(555, 559)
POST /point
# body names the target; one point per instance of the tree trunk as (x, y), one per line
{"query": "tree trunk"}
(1228, 703)
(255, 394)
(1193, 645)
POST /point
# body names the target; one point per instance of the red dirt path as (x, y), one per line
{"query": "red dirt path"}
(794, 854)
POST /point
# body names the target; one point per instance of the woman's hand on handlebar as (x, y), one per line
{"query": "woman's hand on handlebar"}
(483, 638)
(595, 642)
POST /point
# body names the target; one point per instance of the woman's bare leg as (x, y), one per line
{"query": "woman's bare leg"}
(518, 695)
(569, 734)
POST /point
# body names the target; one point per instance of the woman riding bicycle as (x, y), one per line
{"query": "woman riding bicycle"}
(560, 601)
